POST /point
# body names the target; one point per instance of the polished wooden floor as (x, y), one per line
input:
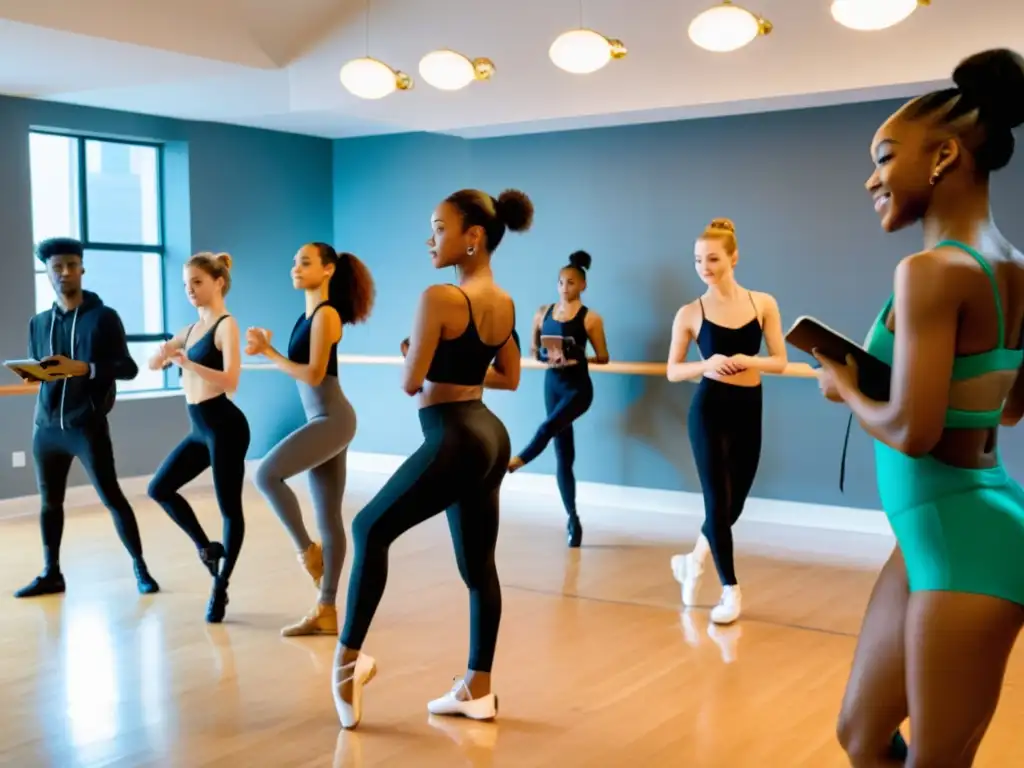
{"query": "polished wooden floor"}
(596, 664)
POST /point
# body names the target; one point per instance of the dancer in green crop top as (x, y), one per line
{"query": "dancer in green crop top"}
(949, 604)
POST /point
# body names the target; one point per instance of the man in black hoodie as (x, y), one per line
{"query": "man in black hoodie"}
(88, 339)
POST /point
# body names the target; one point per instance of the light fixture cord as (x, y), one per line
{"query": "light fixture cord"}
(581, 14)
(368, 27)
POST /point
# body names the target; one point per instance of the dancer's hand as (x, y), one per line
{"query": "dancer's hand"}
(834, 377)
(179, 358)
(257, 341)
(71, 367)
(404, 346)
(722, 365)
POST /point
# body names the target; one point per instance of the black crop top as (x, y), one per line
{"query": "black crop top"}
(466, 358)
(298, 344)
(204, 352)
(713, 339)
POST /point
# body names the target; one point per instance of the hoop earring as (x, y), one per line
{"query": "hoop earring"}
(471, 250)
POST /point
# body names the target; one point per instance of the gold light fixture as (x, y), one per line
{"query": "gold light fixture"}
(449, 70)
(727, 27)
(370, 78)
(582, 51)
(871, 15)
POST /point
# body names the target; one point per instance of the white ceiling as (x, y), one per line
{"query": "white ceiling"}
(274, 63)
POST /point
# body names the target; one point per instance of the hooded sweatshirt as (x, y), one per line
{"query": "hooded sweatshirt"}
(91, 333)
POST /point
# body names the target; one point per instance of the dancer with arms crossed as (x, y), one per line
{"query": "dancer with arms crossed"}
(568, 390)
(463, 340)
(724, 421)
(339, 290)
(209, 355)
(949, 603)
(88, 338)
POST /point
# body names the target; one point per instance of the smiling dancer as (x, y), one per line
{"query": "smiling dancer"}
(459, 331)
(339, 290)
(87, 337)
(949, 604)
(568, 390)
(210, 367)
(725, 413)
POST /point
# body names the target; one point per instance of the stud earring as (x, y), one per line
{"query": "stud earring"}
(935, 177)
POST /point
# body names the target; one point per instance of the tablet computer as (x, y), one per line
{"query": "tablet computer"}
(808, 334)
(34, 370)
(557, 349)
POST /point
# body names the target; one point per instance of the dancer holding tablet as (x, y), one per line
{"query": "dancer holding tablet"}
(86, 341)
(209, 355)
(560, 335)
(339, 291)
(949, 604)
(463, 340)
(728, 323)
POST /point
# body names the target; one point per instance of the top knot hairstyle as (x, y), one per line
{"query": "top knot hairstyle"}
(351, 291)
(721, 229)
(984, 106)
(216, 265)
(511, 210)
(580, 261)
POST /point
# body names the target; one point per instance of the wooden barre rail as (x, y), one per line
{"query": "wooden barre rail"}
(793, 370)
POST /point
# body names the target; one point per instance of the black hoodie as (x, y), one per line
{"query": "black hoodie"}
(92, 333)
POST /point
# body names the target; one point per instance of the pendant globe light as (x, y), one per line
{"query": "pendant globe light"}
(582, 51)
(726, 27)
(449, 70)
(871, 15)
(370, 78)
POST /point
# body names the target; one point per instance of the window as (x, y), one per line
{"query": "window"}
(107, 194)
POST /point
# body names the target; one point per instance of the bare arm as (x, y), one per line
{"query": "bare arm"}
(326, 332)
(913, 420)
(594, 325)
(678, 369)
(228, 343)
(423, 341)
(505, 372)
(1013, 410)
(162, 358)
(775, 361)
(538, 320)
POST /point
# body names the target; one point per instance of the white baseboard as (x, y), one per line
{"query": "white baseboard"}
(588, 494)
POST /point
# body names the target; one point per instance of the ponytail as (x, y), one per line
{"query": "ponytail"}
(351, 290)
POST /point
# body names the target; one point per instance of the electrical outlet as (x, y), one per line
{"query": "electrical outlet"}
(18, 459)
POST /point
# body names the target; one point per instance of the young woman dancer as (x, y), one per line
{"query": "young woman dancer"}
(459, 331)
(339, 290)
(568, 390)
(728, 323)
(209, 355)
(949, 603)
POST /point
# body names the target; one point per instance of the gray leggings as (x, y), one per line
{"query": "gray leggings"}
(321, 447)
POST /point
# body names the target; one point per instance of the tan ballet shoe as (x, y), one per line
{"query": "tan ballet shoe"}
(322, 620)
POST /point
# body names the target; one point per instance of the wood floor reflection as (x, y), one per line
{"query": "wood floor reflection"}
(596, 665)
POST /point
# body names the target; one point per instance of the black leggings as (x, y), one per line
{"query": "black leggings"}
(54, 449)
(725, 434)
(219, 439)
(458, 468)
(566, 398)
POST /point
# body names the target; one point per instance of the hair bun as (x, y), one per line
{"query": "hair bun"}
(725, 224)
(225, 259)
(515, 209)
(581, 260)
(993, 81)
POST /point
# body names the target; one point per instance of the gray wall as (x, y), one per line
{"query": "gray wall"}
(257, 194)
(635, 197)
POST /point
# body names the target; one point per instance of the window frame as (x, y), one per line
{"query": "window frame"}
(160, 248)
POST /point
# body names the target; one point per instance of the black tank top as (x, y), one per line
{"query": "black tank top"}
(298, 344)
(575, 328)
(713, 339)
(465, 359)
(204, 352)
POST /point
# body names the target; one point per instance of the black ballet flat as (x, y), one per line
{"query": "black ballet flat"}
(215, 609)
(574, 531)
(146, 583)
(210, 555)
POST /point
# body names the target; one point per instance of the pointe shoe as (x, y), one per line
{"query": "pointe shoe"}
(459, 701)
(728, 609)
(322, 620)
(688, 570)
(359, 673)
(312, 561)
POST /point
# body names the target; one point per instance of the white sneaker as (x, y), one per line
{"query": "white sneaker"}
(359, 672)
(459, 701)
(688, 570)
(728, 608)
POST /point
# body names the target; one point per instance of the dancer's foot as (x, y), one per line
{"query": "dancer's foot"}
(49, 582)
(687, 570)
(312, 561)
(322, 620)
(146, 583)
(728, 609)
(218, 602)
(349, 677)
(459, 701)
(210, 556)
(515, 463)
(574, 531)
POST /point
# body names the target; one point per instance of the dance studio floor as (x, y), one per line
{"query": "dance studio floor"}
(596, 664)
